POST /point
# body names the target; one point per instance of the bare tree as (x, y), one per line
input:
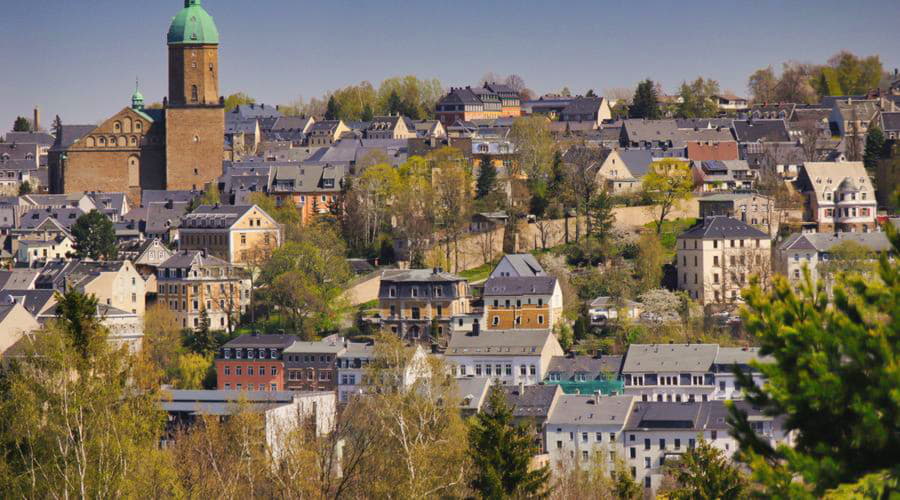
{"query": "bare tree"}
(853, 145)
(811, 132)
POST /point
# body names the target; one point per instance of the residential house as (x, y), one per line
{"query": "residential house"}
(588, 110)
(716, 258)
(730, 175)
(523, 302)
(388, 127)
(253, 363)
(15, 322)
(312, 366)
(578, 374)
(126, 329)
(840, 196)
(731, 103)
(35, 252)
(604, 309)
(113, 205)
(193, 283)
(648, 134)
(687, 372)
(238, 234)
(510, 357)
(748, 207)
(326, 132)
(18, 279)
(779, 158)
(428, 129)
(658, 433)
(413, 301)
(313, 189)
(773, 111)
(473, 394)
(854, 116)
(750, 131)
(712, 151)
(283, 412)
(517, 265)
(586, 430)
(352, 363)
(468, 103)
(114, 283)
(811, 250)
(531, 406)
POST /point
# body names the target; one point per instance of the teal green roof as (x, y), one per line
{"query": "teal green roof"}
(193, 25)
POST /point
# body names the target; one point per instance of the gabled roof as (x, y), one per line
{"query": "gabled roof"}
(35, 301)
(65, 217)
(334, 346)
(576, 409)
(641, 130)
(865, 109)
(41, 138)
(890, 122)
(712, 150)
(524, 264)
(512, 343)
(824, 242)
(418, 276)
(17, 279)
(583, 106)
(637, 160)
(519, 285)
(531, 400)
(669, 357)
(827, 175)
(593, 366)
(265, 341)
(720, 227)
(192, 258)
(70, 134)
(761, 131)
(248, 111)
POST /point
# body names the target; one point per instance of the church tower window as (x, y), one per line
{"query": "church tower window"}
(194, 96)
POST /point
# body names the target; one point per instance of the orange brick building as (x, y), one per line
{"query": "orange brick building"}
(522, 302)
(487, 102)
(252, 363)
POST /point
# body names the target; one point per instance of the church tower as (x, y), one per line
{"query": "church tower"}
(195, 116)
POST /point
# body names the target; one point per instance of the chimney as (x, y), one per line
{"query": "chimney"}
(36, 124)
(476, 328)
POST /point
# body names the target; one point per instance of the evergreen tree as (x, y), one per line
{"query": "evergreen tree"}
(367, 113)
(834, 377)
(874, 148)
(57, 125)
(645, 103)
(590, 93)
(203, 341)
(394, 104)
(705, 473)
(487, 179)
(600, 216)
(95, 237)
(333, 109)
(501, 452)
(22, 124)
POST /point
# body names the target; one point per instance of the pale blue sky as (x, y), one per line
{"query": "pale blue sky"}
(79, 58)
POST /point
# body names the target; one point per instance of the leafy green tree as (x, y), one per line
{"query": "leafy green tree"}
(848, 74)
(501, 453)
(193, 370)
(79, 418)
(238, 99)
(650, 260)
(95, 237)
(705, 473)
(874, 148)
(487, 179)
(21, 124)
(646, 102)
(834, 377)
(697, 98)
(665, 186)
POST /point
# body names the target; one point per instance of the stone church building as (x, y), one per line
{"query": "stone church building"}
(178, 147)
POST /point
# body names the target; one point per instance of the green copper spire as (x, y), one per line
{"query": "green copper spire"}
(193, 26)
(137, 99)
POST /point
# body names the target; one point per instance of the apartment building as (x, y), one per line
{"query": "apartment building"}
(687, 372)
(840, 196)
(510, 357)
(253, 363)
(238, 234)
(715, 259)
(312, 366)
(192, 281)
(412, 301)
(586, 430)
(812, 250)
(524, 302)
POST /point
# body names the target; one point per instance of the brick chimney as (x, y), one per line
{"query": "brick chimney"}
(36, 124)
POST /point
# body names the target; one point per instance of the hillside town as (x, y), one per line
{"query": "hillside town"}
(470, 291)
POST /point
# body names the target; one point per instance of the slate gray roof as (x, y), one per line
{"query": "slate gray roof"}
(513, 343)
(245, 111)
(519, 285)
(865, 109)
(472, 392)
(69, 134)
(161, 195)
(535, 401)
(321, 346)
(308, 178)
(721, 227)
(761, 131)
(267, 340)
(579, 409)
(42, 138)
(17, 279)
(163, 216)
(641, 130)
(583, 106)
(523, 263)
(637, 160)
(593, 366)
(699, 416)
(190, 258)
(890, 122)
(35, 301)
(669, 357)
(418, 276)
(211, 215)
(66, 217)
(460, 96)
(286, 123)
(222, 402)
(730, 197)
(358, 350)
(824, 242)
(739, 356)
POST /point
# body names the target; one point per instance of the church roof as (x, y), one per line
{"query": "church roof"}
(193, 26)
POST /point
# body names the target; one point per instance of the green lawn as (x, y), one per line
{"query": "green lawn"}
(670, 230)
(477, 274)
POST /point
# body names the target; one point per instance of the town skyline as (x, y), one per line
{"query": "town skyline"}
(98, 87)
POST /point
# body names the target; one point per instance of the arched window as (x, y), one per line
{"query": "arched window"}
(112, 142)
(138, 126)
(133, 141)
(90, 142)
(117, 127)
(194, 96)
(134, 171)
(101, 141)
